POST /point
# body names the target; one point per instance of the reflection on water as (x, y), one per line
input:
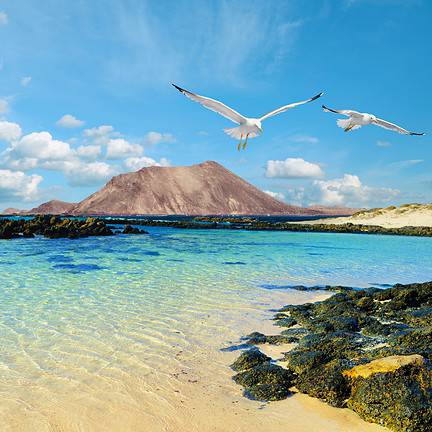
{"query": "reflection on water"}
(126, 332)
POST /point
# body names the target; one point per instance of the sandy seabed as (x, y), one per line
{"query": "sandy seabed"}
(191, 391)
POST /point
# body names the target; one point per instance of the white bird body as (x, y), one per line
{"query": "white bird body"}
(357, 119)
(248, 127)
(251, 127)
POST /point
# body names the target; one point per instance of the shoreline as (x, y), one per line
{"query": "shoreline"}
(74, 227)
(250, 224)
(336, 350)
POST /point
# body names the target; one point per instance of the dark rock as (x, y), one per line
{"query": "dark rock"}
(257, 338)
(286, 321)
(303, 361)
(266, 381)
(326, 382)
(268, 392)
(418, 341)
(358, 330)
(129, 229)
(400, 400)
(250, 359)
(298, 332)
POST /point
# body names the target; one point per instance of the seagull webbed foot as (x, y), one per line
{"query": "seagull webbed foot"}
(240, 143)
(245, 143)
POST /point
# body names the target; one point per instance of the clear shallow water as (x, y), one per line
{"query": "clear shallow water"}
(122, 329)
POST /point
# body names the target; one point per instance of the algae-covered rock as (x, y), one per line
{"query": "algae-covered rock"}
(369, 350)
(303, 361)
(286, 321)
(266, 381)
(268, 392)
(326, 382)
(249, 359)
(415, 341)
(257, 338)
(399, 398)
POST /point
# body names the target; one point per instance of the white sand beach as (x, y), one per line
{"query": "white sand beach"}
(391, 217)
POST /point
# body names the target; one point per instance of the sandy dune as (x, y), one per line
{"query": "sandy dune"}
(390, 217)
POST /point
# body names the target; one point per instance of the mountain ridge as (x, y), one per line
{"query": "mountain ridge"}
(202, 189)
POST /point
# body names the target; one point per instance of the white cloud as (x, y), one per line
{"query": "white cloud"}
(3, 18)
(304, 139)
(406, 163)
(91, 174)
(69, 121)
(16, 184)
(9, 131)
(277, 195)
(89, 152)
(4, 106)
(136, 163)
(42, 146)
(293, 168)
(119, 148)
(25, 81)
(349, 190)
(383, 143)
(101, 134)
(83, 165)
(153, 138)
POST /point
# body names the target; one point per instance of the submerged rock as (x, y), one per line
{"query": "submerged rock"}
(129, 229)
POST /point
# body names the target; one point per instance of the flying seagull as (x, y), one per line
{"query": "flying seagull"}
(356, 120)
(248, 127)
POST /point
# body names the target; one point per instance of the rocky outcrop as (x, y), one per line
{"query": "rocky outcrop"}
(398, 396)
(262, 379)
(56, 227)
(254, 224)
(368, 350)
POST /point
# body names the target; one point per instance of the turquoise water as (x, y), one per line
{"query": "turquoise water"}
(82, 322)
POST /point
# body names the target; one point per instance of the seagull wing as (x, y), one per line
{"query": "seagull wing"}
(287, 107)
(214, 105)
(348, 113)
(391, 126)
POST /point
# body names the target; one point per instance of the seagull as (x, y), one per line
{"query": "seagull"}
(248, 127)
(356, 120)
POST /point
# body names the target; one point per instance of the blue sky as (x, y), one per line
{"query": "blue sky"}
(85, 94)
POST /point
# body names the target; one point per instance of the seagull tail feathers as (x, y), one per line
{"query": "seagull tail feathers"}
(237, 133)
(346, 124)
